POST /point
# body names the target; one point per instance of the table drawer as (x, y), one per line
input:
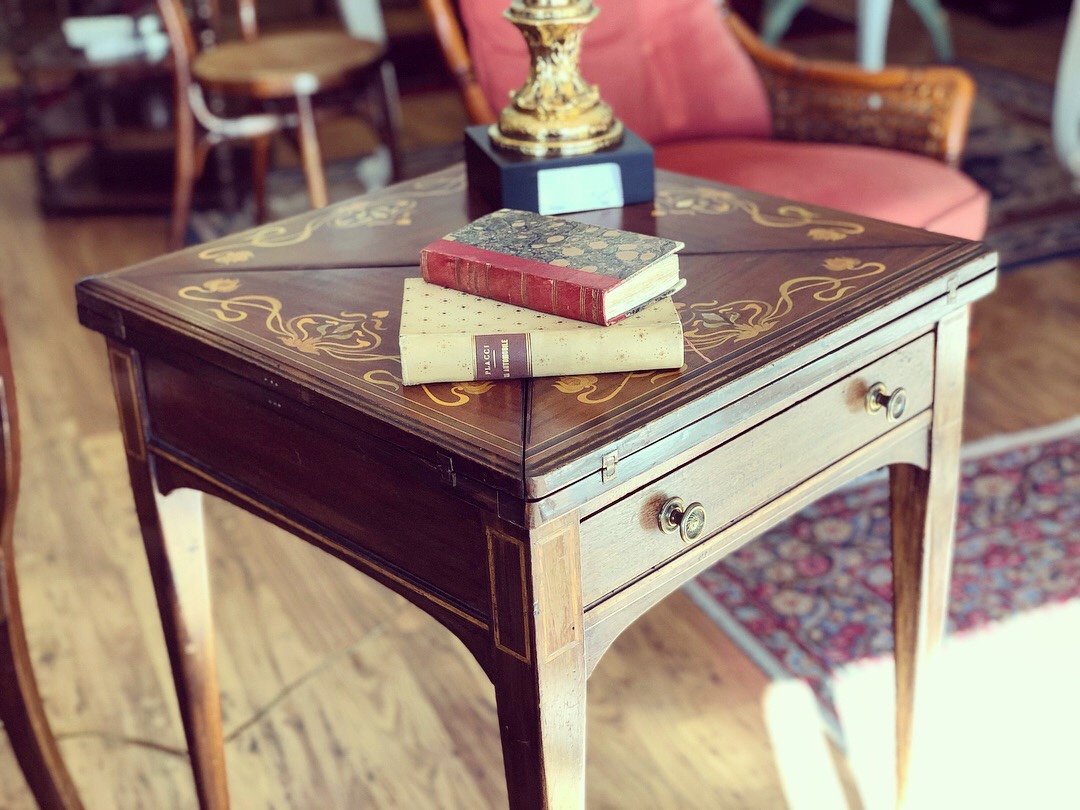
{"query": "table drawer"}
(624, 541)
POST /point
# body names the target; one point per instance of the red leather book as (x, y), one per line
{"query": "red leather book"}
(559, 266)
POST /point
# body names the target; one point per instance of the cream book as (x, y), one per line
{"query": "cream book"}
(451, 336)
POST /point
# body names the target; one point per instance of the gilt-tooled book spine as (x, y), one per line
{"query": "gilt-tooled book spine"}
(450, 336)
(553, 265)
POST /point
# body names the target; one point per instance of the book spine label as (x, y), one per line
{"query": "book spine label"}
(502, 357)
(462, 357)
(563, 291)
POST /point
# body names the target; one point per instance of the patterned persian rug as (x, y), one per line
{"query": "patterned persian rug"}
(1034, 206)
(813, 595)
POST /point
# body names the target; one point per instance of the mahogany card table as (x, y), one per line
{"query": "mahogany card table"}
(537, 519)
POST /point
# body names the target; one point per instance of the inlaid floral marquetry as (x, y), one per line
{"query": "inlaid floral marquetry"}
(711, 201)
(708, 325)
(309, 310)
(351, 336)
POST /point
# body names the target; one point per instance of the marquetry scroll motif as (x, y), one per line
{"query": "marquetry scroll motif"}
(706, 200)
(345, 336)
(461, 393)
(508, 577)
(393, 208)
(592, 390)
(708, 325)
(711, 324)
(355, 337)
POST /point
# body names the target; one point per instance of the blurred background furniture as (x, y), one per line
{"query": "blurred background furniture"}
(120, 106)
(873, 32)
(99, 120)
(716, 102)
(21, 710)
(275, 79)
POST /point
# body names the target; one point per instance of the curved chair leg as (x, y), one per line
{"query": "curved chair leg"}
(184, 176)
(310, 154)
(21, 710)
(777, 18)
(935, 19)
(873, 34)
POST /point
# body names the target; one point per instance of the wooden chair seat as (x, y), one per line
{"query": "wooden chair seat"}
(287, 64)
(281, 74)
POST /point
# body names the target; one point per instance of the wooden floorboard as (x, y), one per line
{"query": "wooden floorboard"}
(328, 699)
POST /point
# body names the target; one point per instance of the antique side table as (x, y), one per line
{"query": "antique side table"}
(537, 519)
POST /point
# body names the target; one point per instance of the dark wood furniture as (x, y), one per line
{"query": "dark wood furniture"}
(21, 711)
(268, 71)
(523, 515)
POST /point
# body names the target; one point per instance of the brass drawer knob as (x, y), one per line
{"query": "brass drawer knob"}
(894, 404)
(688, 521)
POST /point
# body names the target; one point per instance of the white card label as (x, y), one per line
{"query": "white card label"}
(579, 188)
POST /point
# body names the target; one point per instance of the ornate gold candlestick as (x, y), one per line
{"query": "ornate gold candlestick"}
(556, 112)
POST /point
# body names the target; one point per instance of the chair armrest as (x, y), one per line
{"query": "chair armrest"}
(921, 110)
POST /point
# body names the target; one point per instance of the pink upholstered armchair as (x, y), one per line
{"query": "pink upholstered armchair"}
(716, 102)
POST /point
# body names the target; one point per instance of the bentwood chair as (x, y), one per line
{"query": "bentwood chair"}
(277, 76)
(716, 102)
(21, 710)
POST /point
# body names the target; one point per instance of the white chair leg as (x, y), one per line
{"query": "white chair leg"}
(777, 17)
(1066, 119)
(873, 32)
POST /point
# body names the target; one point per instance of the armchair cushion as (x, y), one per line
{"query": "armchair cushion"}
(637, 51)
(885, 184)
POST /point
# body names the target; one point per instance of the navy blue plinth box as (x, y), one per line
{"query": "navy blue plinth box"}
(613, 177)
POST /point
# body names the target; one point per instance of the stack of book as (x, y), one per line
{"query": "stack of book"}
(517, 294)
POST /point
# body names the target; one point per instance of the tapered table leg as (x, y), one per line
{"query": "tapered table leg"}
(923, 504)
(174, 538)
(539, 669)
(175, 541)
